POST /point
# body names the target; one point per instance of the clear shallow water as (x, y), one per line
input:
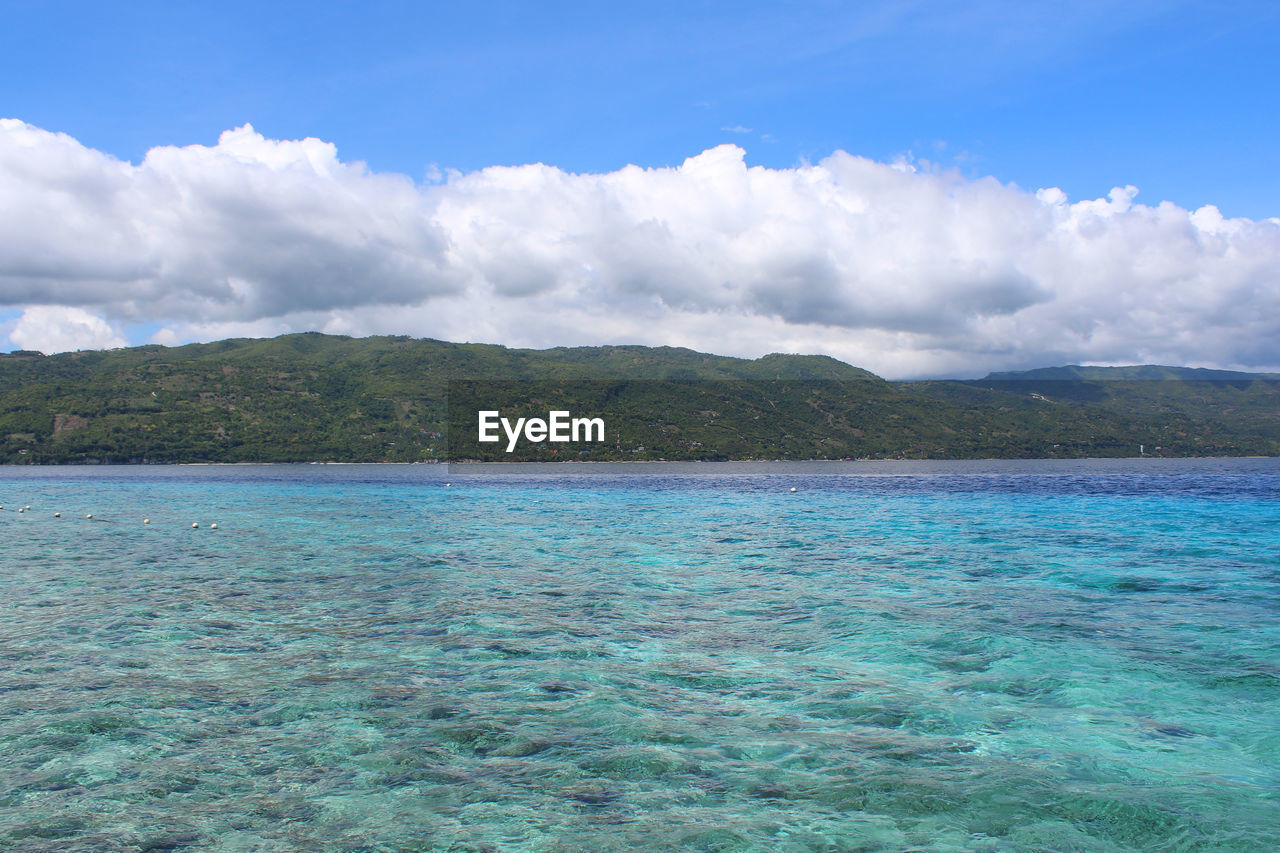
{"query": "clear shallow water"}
(958, 656)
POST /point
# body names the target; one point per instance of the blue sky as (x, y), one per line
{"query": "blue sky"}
(919, 188)
(1178, 98)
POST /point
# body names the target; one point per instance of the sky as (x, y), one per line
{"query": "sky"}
(919, 188)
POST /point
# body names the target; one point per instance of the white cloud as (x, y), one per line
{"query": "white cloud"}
(56, 328)
(899, 268)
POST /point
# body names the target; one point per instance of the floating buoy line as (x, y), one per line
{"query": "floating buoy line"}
(88, 516)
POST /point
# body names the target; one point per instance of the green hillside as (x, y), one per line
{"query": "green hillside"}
(311, 397)
(1190, 410)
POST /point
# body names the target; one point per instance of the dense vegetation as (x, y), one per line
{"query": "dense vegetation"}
(312, 397)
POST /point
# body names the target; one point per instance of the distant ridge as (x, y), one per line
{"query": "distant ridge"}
(1142, 372)
(316, 397)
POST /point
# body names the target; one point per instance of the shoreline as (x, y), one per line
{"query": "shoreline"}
(570, 463)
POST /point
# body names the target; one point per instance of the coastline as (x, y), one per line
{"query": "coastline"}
(659, 461)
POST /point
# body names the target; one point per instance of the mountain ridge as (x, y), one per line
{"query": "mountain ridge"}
(316, 397)
(1134, 372)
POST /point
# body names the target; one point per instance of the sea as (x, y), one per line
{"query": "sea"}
(827, 656)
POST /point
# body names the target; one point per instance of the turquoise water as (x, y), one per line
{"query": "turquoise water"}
(897, 656)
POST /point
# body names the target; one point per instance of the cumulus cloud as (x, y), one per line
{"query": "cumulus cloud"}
(55, 328)
(904, 271)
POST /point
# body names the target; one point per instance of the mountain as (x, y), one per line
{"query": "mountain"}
(309, 397)
(1144, 372)
(1229, 407)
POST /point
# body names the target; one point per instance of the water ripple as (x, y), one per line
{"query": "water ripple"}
(985, 656)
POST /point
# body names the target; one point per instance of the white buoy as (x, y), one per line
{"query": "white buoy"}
(28, 506)
(793, 488)
(213, 526)
(194, 525)
(20, 509)
(447, 485)
(57, 515)
(90, 515)
(146, 521)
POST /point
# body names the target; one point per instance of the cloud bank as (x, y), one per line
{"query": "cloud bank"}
(905, 271)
